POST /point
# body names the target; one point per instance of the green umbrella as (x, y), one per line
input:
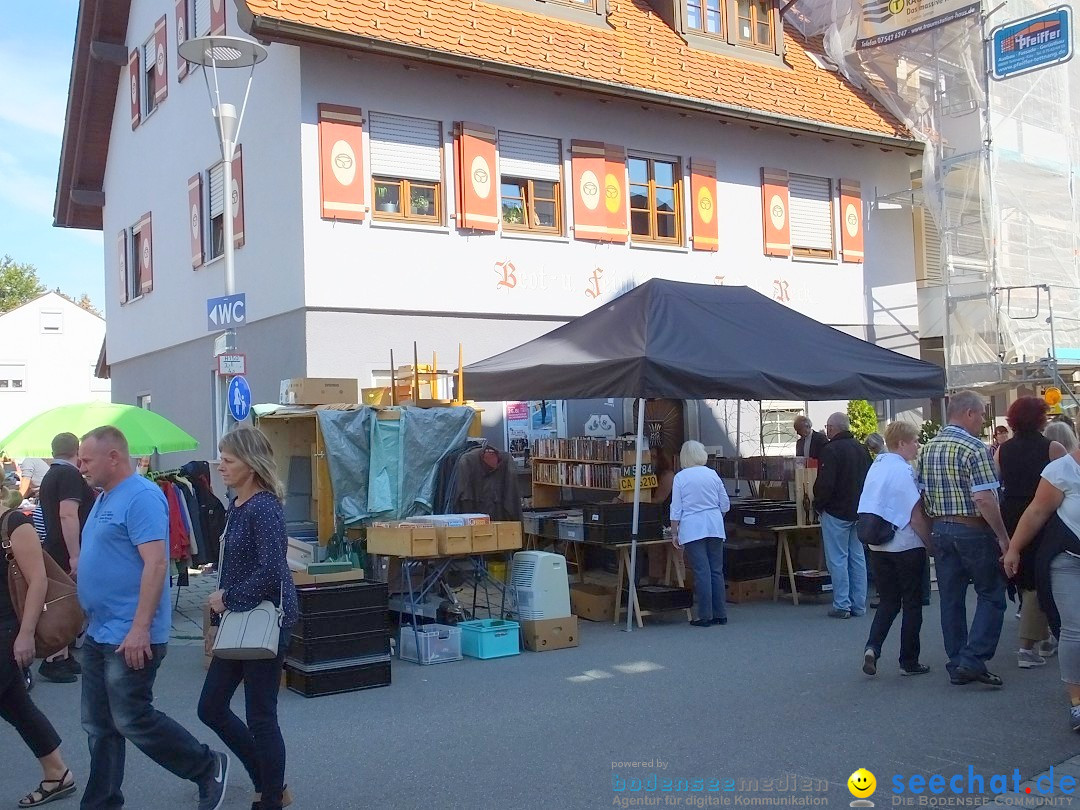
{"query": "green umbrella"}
(145, 430)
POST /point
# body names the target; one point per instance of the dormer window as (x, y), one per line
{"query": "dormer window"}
(705, 16)
(755, 24)
(746, 29)
(588, 12)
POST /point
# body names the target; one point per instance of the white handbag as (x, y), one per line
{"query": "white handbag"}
(248, 635)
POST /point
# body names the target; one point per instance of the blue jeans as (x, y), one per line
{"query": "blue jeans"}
(258, 745)
(117, 705)
(706, 558)
(847, 563)
(966, 554)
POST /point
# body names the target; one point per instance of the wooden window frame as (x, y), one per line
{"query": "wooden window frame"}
(148, 79)
(528, 225)
(722, 34)
(754, 22)
(405, 193)
(652, 237)
(818, 253)
(134, 264)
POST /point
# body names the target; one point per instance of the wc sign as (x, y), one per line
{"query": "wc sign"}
(226, 312)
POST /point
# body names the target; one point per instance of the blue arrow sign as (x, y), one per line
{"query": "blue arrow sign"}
(226, 312)
(239, 398)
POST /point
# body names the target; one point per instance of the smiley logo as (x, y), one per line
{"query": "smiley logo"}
(861, 783)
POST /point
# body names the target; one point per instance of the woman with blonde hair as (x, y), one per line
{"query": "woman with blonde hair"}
(698, 504)
(253, 569)
(17, 652)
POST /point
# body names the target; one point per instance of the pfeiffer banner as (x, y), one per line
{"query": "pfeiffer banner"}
(885, 21)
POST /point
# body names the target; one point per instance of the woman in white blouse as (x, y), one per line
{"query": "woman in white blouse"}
(698, 504)
(1059, 550)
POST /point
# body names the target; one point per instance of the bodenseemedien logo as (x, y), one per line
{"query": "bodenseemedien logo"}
(862, 785)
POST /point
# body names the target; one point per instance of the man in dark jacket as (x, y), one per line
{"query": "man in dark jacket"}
(810, 441)
(842, 470)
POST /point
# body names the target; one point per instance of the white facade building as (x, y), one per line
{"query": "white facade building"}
(48, 351)
(331, 291)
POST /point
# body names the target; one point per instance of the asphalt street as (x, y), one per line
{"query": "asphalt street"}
(776, 692)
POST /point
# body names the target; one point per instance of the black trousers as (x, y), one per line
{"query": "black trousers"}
(898, 576)
(16, 707)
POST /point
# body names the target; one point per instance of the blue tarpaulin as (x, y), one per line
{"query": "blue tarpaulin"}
(385, 468)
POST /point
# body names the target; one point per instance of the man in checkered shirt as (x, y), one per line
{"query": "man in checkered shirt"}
(960, 494)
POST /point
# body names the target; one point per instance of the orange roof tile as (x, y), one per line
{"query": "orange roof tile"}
(639, 50)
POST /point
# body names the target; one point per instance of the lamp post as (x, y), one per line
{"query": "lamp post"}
(215, 54)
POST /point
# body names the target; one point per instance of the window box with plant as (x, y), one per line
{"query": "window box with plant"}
(530, 205)
(422, 197)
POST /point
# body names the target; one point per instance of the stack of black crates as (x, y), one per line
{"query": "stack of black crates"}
(342, 641)
(613, 522)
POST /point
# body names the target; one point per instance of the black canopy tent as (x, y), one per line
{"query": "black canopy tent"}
(672, 339)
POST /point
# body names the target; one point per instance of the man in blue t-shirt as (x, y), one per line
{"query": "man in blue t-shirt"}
(123, 587)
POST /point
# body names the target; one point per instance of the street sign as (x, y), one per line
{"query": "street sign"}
(239, 398)
(225, 312)
(1031, 43)
(231, 365)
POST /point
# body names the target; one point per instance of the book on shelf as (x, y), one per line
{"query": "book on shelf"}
(584, 448)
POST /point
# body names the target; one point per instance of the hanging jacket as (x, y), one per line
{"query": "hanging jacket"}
(493, 492)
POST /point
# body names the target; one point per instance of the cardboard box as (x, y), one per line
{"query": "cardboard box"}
(550, 634)
(750, 590)
(508, 535)
(403, 541)
(593, 602)
(455, 539)
(319, 391)
(484, 539)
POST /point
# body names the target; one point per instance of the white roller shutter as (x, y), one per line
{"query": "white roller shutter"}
(405, 147)
(529, 156)
(811, 212)
(217, 190)
(201, 26)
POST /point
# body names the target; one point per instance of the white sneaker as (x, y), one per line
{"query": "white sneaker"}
(1047, 648)
(1029, 659)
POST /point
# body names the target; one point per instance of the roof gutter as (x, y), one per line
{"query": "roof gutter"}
(287, 31)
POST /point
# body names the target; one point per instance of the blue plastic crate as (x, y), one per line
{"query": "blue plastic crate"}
(489, 638)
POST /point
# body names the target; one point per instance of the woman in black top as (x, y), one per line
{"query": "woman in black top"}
(17, 652)
(1021, 460)
(253, 569)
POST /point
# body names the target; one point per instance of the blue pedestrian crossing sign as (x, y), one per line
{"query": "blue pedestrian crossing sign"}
(239, 398)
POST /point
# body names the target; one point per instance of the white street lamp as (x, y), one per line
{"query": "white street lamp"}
(215, 53)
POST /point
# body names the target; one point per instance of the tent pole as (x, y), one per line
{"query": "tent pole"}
(632, 573)
(738, 443)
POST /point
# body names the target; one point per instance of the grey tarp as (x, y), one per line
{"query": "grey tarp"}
(699, 341)
(385, 468)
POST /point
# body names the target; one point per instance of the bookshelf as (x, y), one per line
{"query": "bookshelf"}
(582, 463)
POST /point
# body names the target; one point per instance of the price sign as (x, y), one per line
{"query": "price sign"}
(647, 482)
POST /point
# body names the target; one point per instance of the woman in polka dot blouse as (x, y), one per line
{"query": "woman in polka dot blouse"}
(253, 569)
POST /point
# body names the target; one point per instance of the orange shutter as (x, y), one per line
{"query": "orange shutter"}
(146, 253)
(195, 226)
(775, 212)
(588, 166)
(341, 166)
(133, 80)
(703, 190)
(121, 264)
(851, 221)
(477, 188)
(615, 193)
(217, 18)
(181, 37)
(236, 198)
(161, 63)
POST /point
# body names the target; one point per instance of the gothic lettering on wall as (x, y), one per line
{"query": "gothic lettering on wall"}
(592, 290)
(781, 291)
(507, 275)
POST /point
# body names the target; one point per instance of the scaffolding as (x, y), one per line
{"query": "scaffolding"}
(995, 204)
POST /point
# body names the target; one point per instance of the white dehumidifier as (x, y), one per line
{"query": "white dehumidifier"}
(543, 589)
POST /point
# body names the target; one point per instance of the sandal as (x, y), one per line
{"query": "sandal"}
(44, 795)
